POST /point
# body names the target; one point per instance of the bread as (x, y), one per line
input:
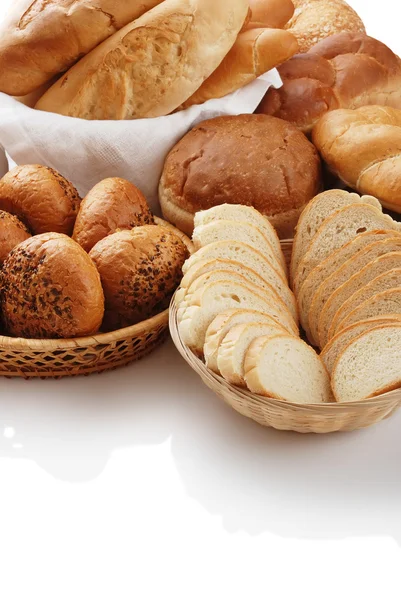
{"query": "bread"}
(320, 208)
(12, 233)
(254, 52)
(269, 13)
(347, 70)
(41, 198)
(140, 270)
(286, 368)
(384, 303)
(112, 204)
(363, 148)
(151, 66)
(223, 230)
(200, 308)
(340, 341)
(222, 324)
(366, 282)
(271, 280)
(370, 365)
(277, 170)
(40, 39)
(233, 348)
(315, 20)
(50, 288)
(343, 274)
(339, 229)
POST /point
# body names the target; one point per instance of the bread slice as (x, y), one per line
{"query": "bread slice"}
(384, 303)
(340, 341)
(222, 324)
(272, 278)
(286, 368)
(329, 265)
(370, 365)
(379, 275)
(241, 213)
(339, 229)
(316, 212)
(343, 274)
(233, 348)
(199, 309)
(221, 230)
(215, 275)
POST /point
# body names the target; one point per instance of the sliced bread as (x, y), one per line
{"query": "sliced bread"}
(222, 324)
(384, 303)
(315, 213)
(233, 348)
(370, 365)
(340, 341)
(286, 368)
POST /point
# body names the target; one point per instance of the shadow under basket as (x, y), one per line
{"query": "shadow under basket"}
(20, 357)
(279, 414)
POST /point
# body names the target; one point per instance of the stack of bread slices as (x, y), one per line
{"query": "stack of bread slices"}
(346, 275)
(236, 310)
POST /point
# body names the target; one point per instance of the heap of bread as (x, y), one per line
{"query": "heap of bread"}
(70, 268)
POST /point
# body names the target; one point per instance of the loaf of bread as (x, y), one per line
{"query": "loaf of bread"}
(363, 148)
(50, 288)
(112, 204)
(347, 70)
(315, 20)
(151, 66)
(269, 13)
(41, 198)
(12, 233)
(40, 39)
(254, 160)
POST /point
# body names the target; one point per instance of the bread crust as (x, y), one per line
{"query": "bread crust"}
(12, 233)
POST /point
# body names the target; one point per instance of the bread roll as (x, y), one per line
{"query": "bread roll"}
(254, 160)
(140, 270)
(315, 20)
(269, 13)
(39, 39)
(363, 147)
(346, 70)
(112, 204)
(151, 66)
(50, 289)
(12, 233)
(42, 198)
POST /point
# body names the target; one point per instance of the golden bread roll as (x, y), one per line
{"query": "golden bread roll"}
(363, 148)
(41, 198)
(39, 39)
(315, 20)
(269, 13)
(50, 289)
(346, 70)
(12, 233)
(255, 52)
(151, 66)
(255, 160)
(140, 269)
(112, 204)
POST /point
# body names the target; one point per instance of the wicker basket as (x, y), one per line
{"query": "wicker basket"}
(81, 356)
(270, 412)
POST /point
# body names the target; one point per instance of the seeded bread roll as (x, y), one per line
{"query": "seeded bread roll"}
(140, 270)
(112, 204)
(12, 233)
(41, 198)
(50, 288)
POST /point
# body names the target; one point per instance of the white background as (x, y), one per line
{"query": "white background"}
(142, 484)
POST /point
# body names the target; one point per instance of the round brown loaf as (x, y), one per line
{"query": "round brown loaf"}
(42, 198)
(255, 160)
(112, 204)
(12, 233)
(139, 269)
(50, 289)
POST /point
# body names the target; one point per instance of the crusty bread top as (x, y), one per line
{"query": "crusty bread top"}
(12, 233)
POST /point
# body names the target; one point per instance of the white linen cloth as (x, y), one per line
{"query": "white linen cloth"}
(86, 152)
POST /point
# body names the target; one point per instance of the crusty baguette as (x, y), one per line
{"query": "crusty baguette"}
(41, 39)
(255, 52)
(152, 65)
(269, 13)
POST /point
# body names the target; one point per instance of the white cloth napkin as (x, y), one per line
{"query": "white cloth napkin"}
(86, 152)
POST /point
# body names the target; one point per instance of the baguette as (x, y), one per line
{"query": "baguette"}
(269, 13)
